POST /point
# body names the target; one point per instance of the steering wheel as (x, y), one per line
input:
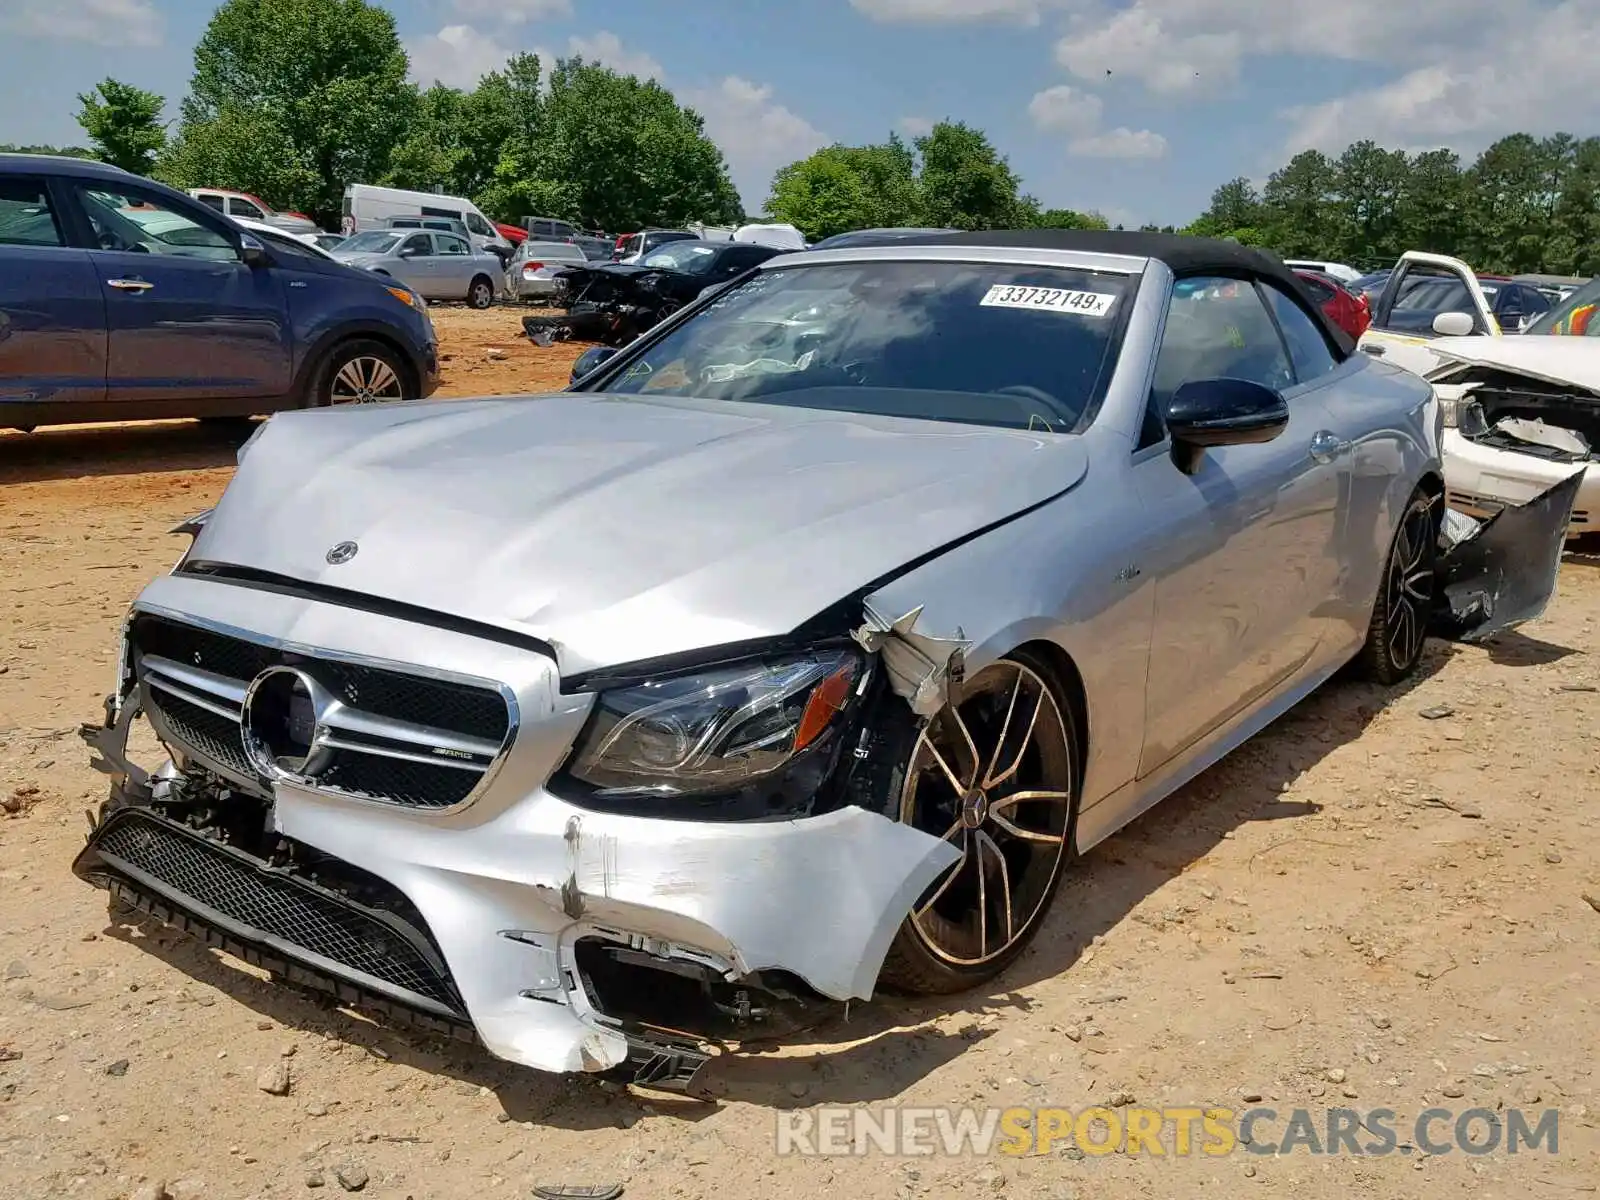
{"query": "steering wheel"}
(1055, 410)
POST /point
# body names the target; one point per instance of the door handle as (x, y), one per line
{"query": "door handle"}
(1375, 351)
(1327, 446)
(129, 285)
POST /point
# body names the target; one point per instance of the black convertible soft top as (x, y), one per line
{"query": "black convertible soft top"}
(1185, 256)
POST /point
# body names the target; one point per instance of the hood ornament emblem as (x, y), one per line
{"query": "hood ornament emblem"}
(342, 553)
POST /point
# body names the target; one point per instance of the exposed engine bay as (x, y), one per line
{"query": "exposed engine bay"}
(1512, 411)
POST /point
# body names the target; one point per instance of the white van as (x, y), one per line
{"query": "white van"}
(780, 237)
(367, 207)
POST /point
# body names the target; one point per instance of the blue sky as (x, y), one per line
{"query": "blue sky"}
(1137, 110)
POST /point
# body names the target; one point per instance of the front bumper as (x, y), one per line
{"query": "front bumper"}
(1481, 480)
(507, 885)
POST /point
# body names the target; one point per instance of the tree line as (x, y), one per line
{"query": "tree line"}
(1525, 205)
(293, 99)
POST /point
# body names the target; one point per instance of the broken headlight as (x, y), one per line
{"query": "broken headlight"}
(715, 731)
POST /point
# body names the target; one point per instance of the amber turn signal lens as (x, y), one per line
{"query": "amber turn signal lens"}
(827, 698)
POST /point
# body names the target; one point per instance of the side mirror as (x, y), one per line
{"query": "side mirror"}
(589, 360)
(1453, 324)
(1222, 412)
(408, 252)
(252, 253)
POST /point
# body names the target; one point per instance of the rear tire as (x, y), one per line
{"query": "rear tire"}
(1012, 748)
(361, 371)
(1398, 632)
(481, 293)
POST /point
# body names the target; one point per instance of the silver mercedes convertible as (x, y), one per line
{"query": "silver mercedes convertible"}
(795, 651)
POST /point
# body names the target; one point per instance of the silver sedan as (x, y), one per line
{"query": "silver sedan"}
(800, 647)
(440, 266)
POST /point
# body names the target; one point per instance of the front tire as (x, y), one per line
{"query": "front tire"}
(1398, 632)
(361, 371)
(997, 775)
(481, 293)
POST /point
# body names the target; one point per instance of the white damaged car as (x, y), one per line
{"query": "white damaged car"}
(1521, 411)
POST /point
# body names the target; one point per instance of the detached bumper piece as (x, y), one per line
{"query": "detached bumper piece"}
(284, 923)
(1500, 572)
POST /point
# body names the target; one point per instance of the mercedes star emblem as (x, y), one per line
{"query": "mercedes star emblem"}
(282, 724)
(342, 553)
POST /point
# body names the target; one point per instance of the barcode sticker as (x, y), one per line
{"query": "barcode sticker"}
(1084, 304)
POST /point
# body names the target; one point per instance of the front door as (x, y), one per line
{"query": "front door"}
(187, 319)
(52, 315)
(1244, 569)
(1422, 289)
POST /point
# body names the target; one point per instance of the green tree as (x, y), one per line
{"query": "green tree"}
(965, 182)
(124, 124)
(1507, 218)
(64, 151)
(840, 188)
(1301, 215)
(1371, 183)
(1573, 247)
(322, 82)
(1066, 218)
(1235, 213)
(608, 150)
(1433, 204)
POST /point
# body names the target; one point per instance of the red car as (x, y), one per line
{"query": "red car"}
(514, 234)
(1346, 309)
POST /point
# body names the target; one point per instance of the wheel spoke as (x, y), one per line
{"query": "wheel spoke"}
(350, 376)
(1022, 747)
(972, 747)
(955, 782)
(1018, 797)
(1027, 835)
(1005, 728)
(949, 878)
(987, 842)
(983, 907)
(383, 379)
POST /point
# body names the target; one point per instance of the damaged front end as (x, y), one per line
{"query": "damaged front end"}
(610, 305)
(1499, 572)
(1512, 434)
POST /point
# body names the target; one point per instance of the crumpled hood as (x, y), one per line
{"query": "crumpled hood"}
(619, 529)
(1565, 361)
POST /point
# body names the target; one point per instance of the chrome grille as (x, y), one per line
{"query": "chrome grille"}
(392, 736)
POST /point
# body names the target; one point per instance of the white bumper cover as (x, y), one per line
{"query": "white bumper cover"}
(1482, 479)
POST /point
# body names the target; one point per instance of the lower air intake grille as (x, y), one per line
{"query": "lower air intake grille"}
(231, 891)
(215, 737)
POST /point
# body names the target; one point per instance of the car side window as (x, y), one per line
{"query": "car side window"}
(1308, 348)
(126, 219)
(448, 243)
(417, 245)
(240, 207)
(478, 225)
(27, 217)
(1217, 328)
(210, 200)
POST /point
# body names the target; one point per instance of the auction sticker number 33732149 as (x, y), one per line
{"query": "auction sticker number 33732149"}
(1084, 304)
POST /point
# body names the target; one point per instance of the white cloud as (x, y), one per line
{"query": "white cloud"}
(1120, 142)
(1537, 79)
(104, 22)
(457, 56)
(929, 12)
(756, 134)
(1066, 109)
(512, 12)
(915, 127)
(1138, 43)
(606, 48)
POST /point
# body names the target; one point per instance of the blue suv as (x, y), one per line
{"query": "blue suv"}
(123, 300)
